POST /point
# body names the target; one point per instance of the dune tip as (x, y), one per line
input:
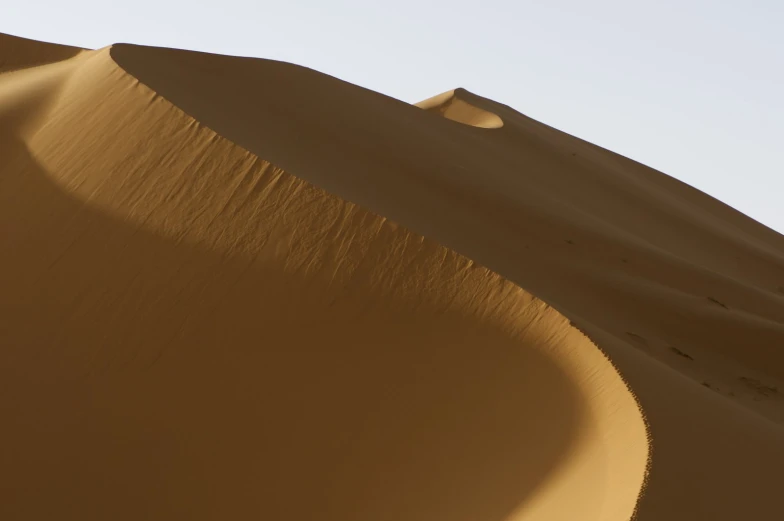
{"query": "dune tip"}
(458, 105)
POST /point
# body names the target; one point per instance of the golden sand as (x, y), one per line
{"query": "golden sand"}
(236, 288)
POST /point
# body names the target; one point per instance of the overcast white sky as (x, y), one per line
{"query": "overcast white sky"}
(690, 87)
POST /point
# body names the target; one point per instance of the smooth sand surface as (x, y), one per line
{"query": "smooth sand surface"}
(241, 288)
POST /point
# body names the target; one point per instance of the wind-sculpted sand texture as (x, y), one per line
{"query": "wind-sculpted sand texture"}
(241, 288)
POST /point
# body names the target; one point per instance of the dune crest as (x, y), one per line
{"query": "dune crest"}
(212, 337)
(453, 106)
(242, 286)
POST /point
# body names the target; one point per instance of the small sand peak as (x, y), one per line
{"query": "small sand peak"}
(456, 105)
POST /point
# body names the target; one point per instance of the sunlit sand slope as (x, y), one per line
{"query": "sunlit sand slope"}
(187, 331)
(685, 294)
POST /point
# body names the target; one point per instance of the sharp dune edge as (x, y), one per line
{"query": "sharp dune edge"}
(240, 288)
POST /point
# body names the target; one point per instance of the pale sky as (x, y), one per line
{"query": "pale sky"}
(691, 87)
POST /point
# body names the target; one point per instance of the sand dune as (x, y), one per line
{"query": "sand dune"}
(238, 287)
(19, 53)
(451, 105)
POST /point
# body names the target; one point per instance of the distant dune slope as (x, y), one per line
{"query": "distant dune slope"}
(195, 333)
(18, 53)
(189, 332)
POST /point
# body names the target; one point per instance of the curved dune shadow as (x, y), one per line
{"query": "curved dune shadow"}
(144, 378)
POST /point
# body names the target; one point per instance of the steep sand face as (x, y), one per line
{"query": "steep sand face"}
(189, 332)
(684, 293)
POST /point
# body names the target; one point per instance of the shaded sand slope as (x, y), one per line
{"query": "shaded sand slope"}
(684, 293)
(189, 332)
(18, 53)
